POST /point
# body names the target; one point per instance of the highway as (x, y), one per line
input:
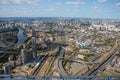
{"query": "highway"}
(59, 63)
(5, 53)
(63, 72)
(38, 67)
(60, 68)
(94, 70)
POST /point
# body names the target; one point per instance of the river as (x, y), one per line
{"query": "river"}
(21, 38)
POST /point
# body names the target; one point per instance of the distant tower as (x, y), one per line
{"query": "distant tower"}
(63, 33)
(34, 50)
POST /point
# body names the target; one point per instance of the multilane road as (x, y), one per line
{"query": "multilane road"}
(109, 57)
(59, 63)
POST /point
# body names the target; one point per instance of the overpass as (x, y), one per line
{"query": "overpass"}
(59, 63)
(63, 72)
(60, 68)
(6, 53)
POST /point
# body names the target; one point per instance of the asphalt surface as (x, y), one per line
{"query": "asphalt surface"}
(59, 63)
(94, 70)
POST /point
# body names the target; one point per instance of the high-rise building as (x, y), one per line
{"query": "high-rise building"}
(7, 68)
(27, 55)
(34, 50)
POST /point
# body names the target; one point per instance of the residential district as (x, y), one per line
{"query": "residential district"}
(59, 46)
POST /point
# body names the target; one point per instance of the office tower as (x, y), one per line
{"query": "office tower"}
(27, 55)
(7, 68)
(34, 50)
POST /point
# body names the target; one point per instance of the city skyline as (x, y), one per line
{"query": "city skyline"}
(48, 48)
(63, 8)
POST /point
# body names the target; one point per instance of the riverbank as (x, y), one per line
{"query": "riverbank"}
(9, 39)
(20, 39)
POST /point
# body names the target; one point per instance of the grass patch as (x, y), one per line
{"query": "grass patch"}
(69, 52)
(86, 55)
(103, 73)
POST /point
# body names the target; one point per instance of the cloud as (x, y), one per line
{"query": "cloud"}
(19, 1)
(76, 6)
(58, 4)
(74, 3)
(117, 4)
(102, 1)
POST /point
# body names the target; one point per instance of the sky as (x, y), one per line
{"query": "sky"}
(61, 8)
